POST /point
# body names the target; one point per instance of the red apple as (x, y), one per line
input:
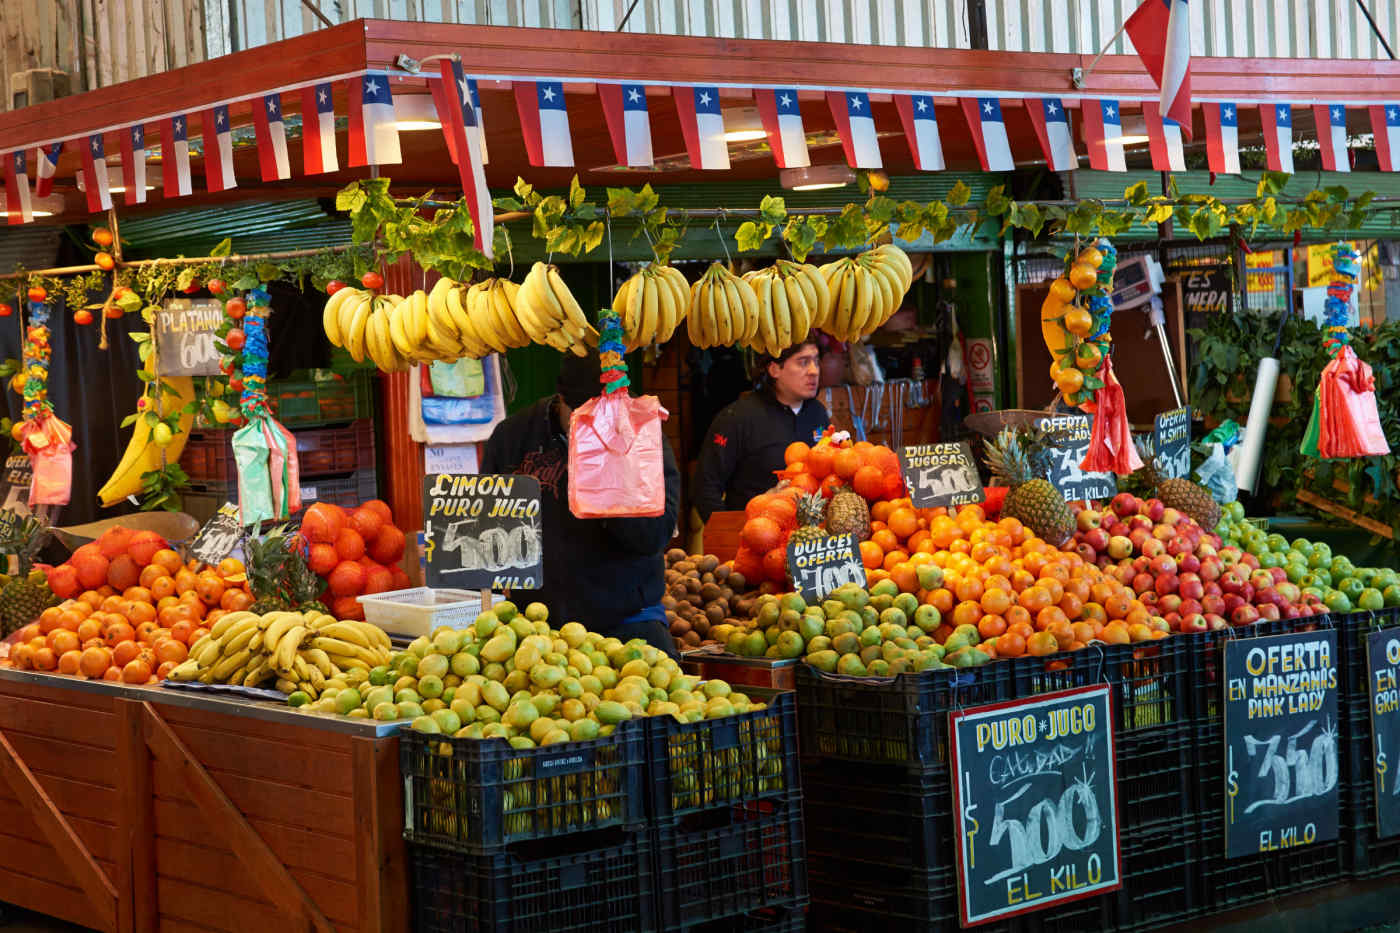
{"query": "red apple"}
(1216, 622)
(1230, 556)
(1173, 620)
(1162, 565)
(1097, 538)
(1088, 519)
(1189, 606)
(1244, 615)
(1140, 521)
(1149, 598)
(1142, 583)
(1233, 601)
(1191, 586)
(1158, 624)
(1280, 575)
(1250, 561)
(1188, 563)
(1168, 602)
(1163, 533)
(1270, 612)
(1118, 528)
(1086, 551)
(1206, 549)
(1194, 622)
(1215, 604)
(1260, 579)
(1139, 536)
(1142, 563)
(1170, 516)
(1154, 547)
(1289, 591)
(1232, 582)
(1124, 504)
(1119, 547)
(1211, 568)
(1212, 588)
(1180, 546)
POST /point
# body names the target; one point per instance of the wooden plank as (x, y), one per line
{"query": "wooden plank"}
(269, 800)
(176, 38)
(280, 735)
(39, 860)
(99, 838)
(220, 911)
(95, 802)
(106, 71)
(254, 756)
(196, 34)
(295, 846)
(383, 876)
(55, 828)
(44, 896)
(54, 756)
(1341, 511)
(90, 729)
(224, 818)
(135, 822)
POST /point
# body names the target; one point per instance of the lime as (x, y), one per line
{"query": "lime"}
(298, 698)
(1370, 600)
(379, 676)
(1391, 595)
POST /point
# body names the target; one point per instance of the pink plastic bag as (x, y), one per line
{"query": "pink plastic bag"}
(49, 443)
(1348, 421)
(616, 463)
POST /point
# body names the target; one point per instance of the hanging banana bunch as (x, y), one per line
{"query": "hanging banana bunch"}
(866, 290)
(723, 309)
(354, 319)
(548, 314)
(791, 297)
(652, 304)
(485, 316)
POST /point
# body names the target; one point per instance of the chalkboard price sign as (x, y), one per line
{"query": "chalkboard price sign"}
(1035, 803)
(219, 536)
(1068, 437)
(1280, 742)
(185, 329)
(941, 474)
(1172, 442)
(1383, 650)
(482, 531)
(820, 566)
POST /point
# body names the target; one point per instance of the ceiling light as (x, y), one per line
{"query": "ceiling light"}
(1133, 131)
(743, 124)
(38, 207)
(416, 112)
(816, 177)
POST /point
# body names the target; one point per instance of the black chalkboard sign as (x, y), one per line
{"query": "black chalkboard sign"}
(817, 567)
(1280, 742)
(1035, 805)
(941, 474)
(1383, 650)
(185, 329)
(1172, 442)
(18, 475)
(219, 536)
(1206, 289)
(1068, 438)
(482, 531)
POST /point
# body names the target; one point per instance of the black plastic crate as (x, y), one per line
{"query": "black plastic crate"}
(1371, 857)
(1159, 865)
(1226, 883)
(720, 867)
(471, 795)
(1155, 777)
(1352, 628)
(717, 763)
(772, 920)
(881, 814)
(535, 888)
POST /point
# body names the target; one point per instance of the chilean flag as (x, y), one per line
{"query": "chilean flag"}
(629, 125)
(459, 125)
(1385, 124)
(318, 130)
(856, 124)
(17, 204)
(480, 120)
(1331, 122)
(175, 156)
(921, 129)
(988, 133)
(1164, 139)
(272, 138)
(702, 125)
(442, 103)
(544, 121)
(47, 162)
(1051, 122)
(133, 143)
(1278, 136)
(1103, 128)
(782, 121)
(374, 136)
(218, 149)
(1222, 138)
(1160, 30)
(99, 196)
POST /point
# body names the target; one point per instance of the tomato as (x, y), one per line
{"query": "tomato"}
(217, 286)
(236, 308)
(372, 280)
(82, 317)
(105, 262)
(235, 339)
(113, 311)
(37, 293)
(235, 384)
(102, 236)
(120, 292)
(333, 286)
(6, 310)
(191, 288)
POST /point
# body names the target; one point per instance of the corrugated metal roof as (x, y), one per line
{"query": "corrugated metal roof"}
(258, 226)
(30, 247)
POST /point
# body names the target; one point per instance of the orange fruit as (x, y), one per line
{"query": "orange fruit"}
(136, 671)
(119, 633)
(905, 576)
(162, 587)
(940, 599)
(181, 630)
(1035, 599)
(880, 511)
(124, 652)
(1117, 606)
(235, 600)
(138, 594)
(146, 632)
(94, 661)
(140, 612)
(68, 662)
(1083, 632)
(1017, 615)
(112, 673)
(1071, 606)
(1137, 632)
(169, 560)
(796, 452)
(894, 558)
(168, 649)
(845, 463)
(1011, 645)
(62, 640)
(210, 587)
(45, 659)
(991, 626)
(904, 522)
(185, 580)
(88, 629)
(869, 482)
(966, 613)
(996, 601)
(1042, 643)
(163, 672)
(150, 574)
(969, 589)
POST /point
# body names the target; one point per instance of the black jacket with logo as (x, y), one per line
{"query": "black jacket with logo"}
(745, 447)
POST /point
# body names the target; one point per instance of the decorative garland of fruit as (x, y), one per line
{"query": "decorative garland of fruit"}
(46, 438)
(1074, 320)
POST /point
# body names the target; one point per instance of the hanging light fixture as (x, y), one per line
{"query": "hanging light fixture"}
(816, 177)
(743, 124)
(416, 112)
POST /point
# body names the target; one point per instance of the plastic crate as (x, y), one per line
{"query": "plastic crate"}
(1155, 778)
(1225, 883)
(879, 814)
(716, 868)
(345, 491)
(1370, 856)
(421, 609)
(471, 795)
(715, 763)
(535, 888)
(208, 457)
(1159, 865)
(323, 451)
(321, 396)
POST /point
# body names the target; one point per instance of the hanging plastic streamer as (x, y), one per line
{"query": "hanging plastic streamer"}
(46, 438)
(616, 450)
(264, 451)
(1111, 447)
(1345, 421)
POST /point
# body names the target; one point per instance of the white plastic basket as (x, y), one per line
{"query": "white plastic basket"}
(419, 610)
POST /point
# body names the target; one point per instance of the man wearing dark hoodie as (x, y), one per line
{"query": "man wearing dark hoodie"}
(609, 573)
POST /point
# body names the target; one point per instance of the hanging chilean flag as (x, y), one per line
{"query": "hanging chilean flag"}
(702, 125)
(133, 143)
(921, 129)
(1222, 138)
(1163, 139)
(272, 138)
(1160, 30)
(17, 205)
(459, 125)
(1278, 136)
(217, 130)
(175, 156)
(374, 136)
(988, 133)
(47, 161)
(1051, 122)
(1103, 132)
(782, 121)
(1331, 122)
(99, 195)
(318, 130)
(1385, 125)
(544, 122)
(629, 124)
(856, 124)
(480, 120)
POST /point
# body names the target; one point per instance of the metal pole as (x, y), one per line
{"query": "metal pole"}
(1375, 29)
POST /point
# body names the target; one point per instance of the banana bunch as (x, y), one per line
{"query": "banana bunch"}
(299, 651)
(792, 298)
(866, 290)
(652, 304)
(548, 313)
(723, 309)
(484, 316)
(353, 318)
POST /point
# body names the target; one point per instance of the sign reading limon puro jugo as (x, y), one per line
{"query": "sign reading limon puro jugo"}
(482, 531)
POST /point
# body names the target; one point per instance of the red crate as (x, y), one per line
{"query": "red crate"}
(208, 457)
(323, 451)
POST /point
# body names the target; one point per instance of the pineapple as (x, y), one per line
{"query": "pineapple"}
(1178, 493)
(25, 595)
(268, 559)
(847, 512)
(811, 510)
(303, 585)
(1032, 500)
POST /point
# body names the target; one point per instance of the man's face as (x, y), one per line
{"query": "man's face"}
(800, 375)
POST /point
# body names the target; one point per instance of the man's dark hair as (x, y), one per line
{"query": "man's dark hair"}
(762, 377)
(579, 378)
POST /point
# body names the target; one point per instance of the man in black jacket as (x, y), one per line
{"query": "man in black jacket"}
(605, 573)
(746, 442)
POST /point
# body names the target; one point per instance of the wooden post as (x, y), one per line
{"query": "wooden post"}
(378, 802)
(135, 853)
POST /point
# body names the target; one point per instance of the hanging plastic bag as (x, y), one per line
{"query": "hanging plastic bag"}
(250, 456)
(1218, 476)
(1111, 447)
(49, 443)
(1349, 422)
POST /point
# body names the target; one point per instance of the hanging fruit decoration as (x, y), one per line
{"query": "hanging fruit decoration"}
(1074, 321)
(46, 438)
(264, 451)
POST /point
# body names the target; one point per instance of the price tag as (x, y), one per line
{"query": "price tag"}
(1068, 437)
(1172, 442)
(1280, 742)
(825, 564)
(941, 474)
(186, 329)
(219, 536)
(482, 531)
(1383, 651)
(1035, 803)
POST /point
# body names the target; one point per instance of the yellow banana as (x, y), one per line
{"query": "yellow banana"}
(222, 671)
(797, 308)
(734, 305)
(398, 330)
(767, 329)
(542, 296)
(632, 321)
(142, 455)
(355, 330)
(503, 294)
(646, 332)
(330, 321)
(717, 329)
(572, 312)
(286, 652)
(782, 318)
